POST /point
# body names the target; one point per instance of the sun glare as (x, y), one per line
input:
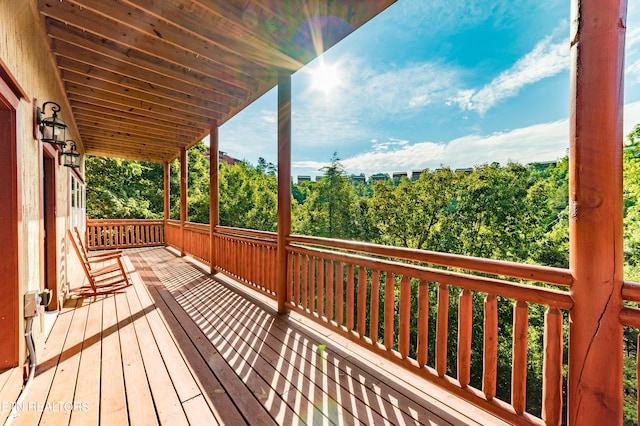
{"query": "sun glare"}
(325, 78)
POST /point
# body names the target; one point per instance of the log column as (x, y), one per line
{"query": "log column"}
(284, 184)
(214, 197)
(595, 203)
(167, 196)
(183, 195)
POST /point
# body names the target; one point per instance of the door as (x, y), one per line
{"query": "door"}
(10, 222)
(50, 235)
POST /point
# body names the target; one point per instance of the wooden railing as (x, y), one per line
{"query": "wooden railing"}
(630, 317)
(400, 309)
(196, 241)
(172, 233)
(249, 256)
(122, 233)
(246, 255)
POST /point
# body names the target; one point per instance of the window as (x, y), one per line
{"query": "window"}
(77, 213)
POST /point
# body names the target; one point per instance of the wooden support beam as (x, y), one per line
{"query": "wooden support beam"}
(183, 195)
(214, 196)
(284, 184)
(595, 203)
(167, 193)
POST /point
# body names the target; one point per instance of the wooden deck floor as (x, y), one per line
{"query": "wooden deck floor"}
(181, 347)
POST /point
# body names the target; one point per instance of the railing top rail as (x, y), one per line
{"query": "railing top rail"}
(545, 274)
(539, 295)
(198, 226)
(631, 291)
(246, 232)
(124, 221)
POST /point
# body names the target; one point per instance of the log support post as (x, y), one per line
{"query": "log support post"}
(183, 195)
(214, 196)
(595, 210)
(167, 197)
(284, 185)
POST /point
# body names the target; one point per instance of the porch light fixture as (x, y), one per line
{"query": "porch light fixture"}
(72, 156)
(53, 129)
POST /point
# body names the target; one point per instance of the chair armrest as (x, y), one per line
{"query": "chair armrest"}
(110, 253)
(104, 258)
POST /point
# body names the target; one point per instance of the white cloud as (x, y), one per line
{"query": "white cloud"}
(545, 60)
(541, 142)
(269, 116)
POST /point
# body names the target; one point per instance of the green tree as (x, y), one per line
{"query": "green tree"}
(123, 189)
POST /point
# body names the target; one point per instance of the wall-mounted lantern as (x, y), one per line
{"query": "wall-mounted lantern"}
(53, 129)
(72, 156)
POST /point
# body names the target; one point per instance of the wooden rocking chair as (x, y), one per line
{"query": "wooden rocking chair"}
(107, 278)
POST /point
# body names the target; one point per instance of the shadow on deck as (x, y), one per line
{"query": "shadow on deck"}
(182, 347)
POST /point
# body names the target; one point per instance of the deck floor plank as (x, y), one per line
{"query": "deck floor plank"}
(113, 400)
(245, 401)
(35, 400)
(135, 380)
(184, 384)
(300, 373)
(64, 381)
(196, 348)
(167, 403)
(87, 392)
(243, 350)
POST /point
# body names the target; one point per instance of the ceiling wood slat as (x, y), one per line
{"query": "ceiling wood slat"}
(144, 78)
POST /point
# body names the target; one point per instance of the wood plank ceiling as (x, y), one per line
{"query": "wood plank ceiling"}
(145, 77)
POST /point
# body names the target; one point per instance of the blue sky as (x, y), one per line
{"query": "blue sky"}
(430, 83)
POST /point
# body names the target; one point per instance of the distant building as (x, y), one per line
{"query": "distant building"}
(358, 178)
(304, 179)
(378, 176)
(223, 157)
(543, 164)
(415, 175)
(399, 175)
(318, 178)
(465, 171)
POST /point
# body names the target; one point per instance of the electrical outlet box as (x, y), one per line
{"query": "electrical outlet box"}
(31, 304)
(45, 297)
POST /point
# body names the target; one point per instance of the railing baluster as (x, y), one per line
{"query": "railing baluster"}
(305, 281)
(490, 358)
(405, 316)
(465, 323)
(519, 365)
(442, 330)
(389, 310)
(375, 306)
(312, 283)
(330, 289)
(552, 368)
(339, 293)
(362, 301)
(350, 296)
(289, 275)
(320, 287)
(295, 291)
(423, 322)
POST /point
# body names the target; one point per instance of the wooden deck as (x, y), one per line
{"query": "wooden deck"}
(181, 347)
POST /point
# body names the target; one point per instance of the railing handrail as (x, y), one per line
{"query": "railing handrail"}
(540, 295)
(203, 227)
(124, 221)
(229, 230)
(545, 274)
(631, 291)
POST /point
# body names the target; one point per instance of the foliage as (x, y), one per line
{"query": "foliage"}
(123, 189)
